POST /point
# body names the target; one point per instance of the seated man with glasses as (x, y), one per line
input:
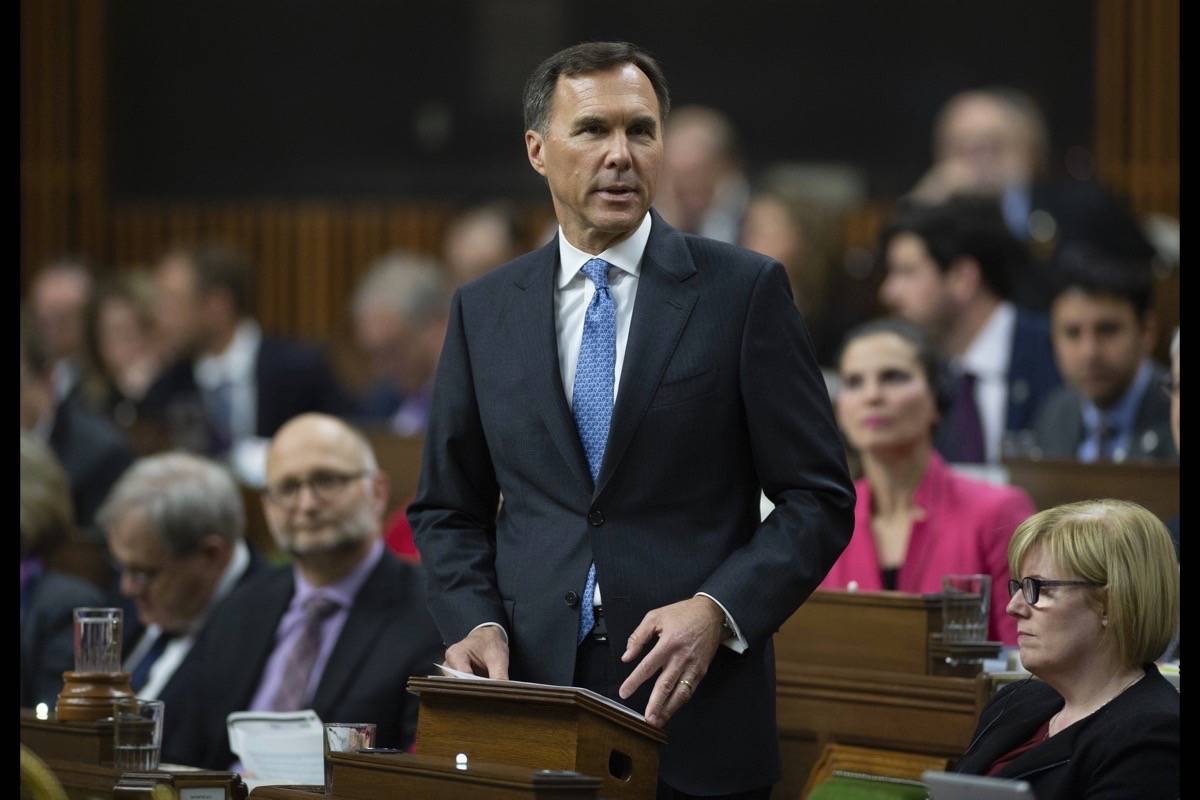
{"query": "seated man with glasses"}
(342, 628)
(174, 524)
(1097, 602)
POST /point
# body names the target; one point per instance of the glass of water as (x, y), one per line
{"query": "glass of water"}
(345, 737)
(98, 639)
(965, 602)
(137, 734)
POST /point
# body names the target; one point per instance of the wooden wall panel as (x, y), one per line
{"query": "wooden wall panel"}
(1137, 101)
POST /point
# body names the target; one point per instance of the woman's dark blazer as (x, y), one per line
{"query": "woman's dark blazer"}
(1127, 749)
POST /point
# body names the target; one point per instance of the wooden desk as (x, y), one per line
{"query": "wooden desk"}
(80, 754)
(1050, 483)
(359, 776)
(860, 669)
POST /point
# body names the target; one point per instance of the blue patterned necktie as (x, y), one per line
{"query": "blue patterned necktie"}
(592, 397)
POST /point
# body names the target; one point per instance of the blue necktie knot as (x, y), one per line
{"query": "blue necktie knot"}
(596, 270)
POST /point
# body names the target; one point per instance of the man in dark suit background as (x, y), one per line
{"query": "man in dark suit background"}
(629, 391)
(90, 448)
(1113, 406)
(340, 630)
(175, 525)
(229, 382)
(949, 271)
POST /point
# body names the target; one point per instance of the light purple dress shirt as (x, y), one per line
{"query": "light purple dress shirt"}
(292, 624)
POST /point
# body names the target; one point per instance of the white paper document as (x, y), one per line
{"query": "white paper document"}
(450, 672)
(278, 747)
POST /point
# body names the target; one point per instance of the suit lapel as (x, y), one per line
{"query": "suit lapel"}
(532, 296)
(664, 303)
(257, 630)
(368, 616)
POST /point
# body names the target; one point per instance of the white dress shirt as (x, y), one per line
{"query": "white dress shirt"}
(177, 649)
(988, 358)
(235, 366)
(573, 293)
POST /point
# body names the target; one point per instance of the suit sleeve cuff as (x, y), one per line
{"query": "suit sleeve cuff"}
(735, 641)
(503, 632)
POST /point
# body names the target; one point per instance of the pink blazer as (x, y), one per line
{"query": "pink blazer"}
(966, 529)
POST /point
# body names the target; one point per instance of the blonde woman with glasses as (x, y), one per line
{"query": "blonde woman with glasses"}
(1095, 594)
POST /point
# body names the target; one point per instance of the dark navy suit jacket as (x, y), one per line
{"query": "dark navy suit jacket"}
(720, 398)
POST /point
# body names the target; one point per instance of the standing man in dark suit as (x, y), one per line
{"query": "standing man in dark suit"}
(606, 412)
(175, 525)
(229, 382)
(949, 271)
(1113, 407)
(340, 630)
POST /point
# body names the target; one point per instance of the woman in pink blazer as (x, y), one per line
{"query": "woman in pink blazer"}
(916, 519)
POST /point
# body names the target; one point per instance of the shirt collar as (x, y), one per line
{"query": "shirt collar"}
(626, 254)
(991, 349)
(1122, 415)
(236, 363)
(344, 590)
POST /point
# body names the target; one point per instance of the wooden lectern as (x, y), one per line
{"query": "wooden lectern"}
(543, 727)
(869, 669)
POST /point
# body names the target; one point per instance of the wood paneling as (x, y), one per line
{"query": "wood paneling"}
(1137, 101)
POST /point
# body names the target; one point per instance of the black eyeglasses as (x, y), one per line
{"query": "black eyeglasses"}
(1031, 588)
(325, 484)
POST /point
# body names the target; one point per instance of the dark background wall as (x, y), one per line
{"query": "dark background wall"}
(286, 98)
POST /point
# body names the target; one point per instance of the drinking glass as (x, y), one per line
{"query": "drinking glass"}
(137, 734)
(965, 600)
(345, 737)
(98, 639)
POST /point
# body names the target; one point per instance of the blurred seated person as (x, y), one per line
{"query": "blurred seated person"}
(175, 525)
(400, 308)
(48, 597)
(915, 519)
(995, 141)
(948, 271)
(702, 188)
(1112, 407)
(478, 240)
(804, 236)
(59, 298)
(90, 448)
(230, 383)
(121, 334)
(1095, 596)
(341, 629)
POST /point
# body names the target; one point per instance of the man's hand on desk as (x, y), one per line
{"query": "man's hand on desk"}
(484, 652)
(689, 633)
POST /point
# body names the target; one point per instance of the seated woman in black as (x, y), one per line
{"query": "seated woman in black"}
(1096, 601)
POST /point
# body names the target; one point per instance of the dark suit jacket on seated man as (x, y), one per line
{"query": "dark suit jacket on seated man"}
(175, 525)
(341, 630)
(630, 475)
(228, 381)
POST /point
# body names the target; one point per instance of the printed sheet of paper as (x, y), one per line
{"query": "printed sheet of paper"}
(450, 672)
(278, 747)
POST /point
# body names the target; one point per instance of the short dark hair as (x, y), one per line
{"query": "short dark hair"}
(587, 57)
(1088, 269)
(218, 267)
(936, 370)
(963, 225)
